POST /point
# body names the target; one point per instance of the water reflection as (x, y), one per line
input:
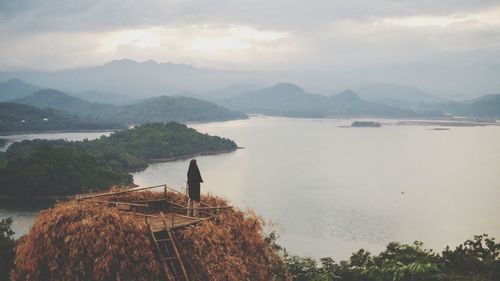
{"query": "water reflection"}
(22, 211)
(335, 189)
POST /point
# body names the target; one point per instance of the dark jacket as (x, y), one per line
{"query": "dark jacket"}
(194, 180)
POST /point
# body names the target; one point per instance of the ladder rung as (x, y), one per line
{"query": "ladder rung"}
(162, 240)
(170, 258)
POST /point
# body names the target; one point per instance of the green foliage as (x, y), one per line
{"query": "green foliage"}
(24, 118)
(179, 108)
(159, 141)
(58, 171)
(7, 245)
(474, 257)
(474, 260)
(58, 167)
(157, 109)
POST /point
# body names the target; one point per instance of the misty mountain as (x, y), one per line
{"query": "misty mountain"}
(350, 104)
(285, 99)
(16, 88)
(50, 98)
(137, 79)
(178, 108)
(25, 118)
(487, 106)
(158, 109)
(105, 97)
(231, 91)
(397, 95)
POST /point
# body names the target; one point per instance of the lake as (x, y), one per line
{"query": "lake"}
(332, 190)
(71, 136)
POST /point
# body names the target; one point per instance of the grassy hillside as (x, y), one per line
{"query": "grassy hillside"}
(74, 235)
(233, 246)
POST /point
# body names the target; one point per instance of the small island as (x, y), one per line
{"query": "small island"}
(51, 168)
(366, 124)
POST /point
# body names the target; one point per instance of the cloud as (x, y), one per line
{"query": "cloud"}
(280, 35)
(84, 15)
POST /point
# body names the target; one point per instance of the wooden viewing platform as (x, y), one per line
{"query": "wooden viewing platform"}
(148, 211)
(162, 217)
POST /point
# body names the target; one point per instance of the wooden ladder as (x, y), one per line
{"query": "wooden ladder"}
(168, 253)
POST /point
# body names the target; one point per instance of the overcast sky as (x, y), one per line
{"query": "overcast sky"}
(380, 40)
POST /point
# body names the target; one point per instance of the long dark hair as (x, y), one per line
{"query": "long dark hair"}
(193, 173)
(192, 164)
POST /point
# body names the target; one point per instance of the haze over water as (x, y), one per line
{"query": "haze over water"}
(333, 190)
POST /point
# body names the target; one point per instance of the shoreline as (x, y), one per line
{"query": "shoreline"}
(404, 120)
(56, 198)
(206, 153)
(14, 133)
(56, 132)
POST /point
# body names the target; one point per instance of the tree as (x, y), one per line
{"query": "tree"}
(7, 248)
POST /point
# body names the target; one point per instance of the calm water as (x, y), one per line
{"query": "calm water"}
(73, 136)
(333, 190)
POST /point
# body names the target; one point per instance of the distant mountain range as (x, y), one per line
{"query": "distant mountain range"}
(398, 95)
(284, 99)
(158, 109)
(287, 99)
(487, 106)
(130, 78)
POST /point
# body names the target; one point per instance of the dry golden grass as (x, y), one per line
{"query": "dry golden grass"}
(87, 241)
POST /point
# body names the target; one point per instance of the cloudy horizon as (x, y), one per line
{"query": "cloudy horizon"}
(450, 48)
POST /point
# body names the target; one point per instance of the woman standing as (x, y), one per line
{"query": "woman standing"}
(194, 181)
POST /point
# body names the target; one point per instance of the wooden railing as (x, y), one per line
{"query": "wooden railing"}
(144, 207)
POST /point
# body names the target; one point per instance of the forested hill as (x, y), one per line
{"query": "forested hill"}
(50, 98)
(158, 109)
(24, 118)
(178, 108)
(55, 168)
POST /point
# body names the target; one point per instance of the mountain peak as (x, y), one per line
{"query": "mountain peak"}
(347, 95)
(123, 61)
(289, 87)
(15, 81)
(50, 92)
(16, 88)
